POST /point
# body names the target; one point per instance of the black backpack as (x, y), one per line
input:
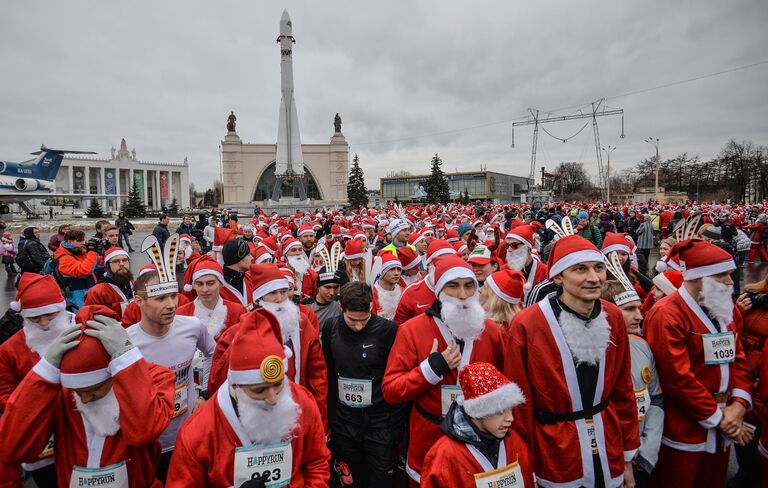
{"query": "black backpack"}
(10, 323)
(24, 261)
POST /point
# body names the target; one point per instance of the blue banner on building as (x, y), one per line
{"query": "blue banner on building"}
(110, 182)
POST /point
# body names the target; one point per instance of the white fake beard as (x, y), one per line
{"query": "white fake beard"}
(410, 279)
(298, 263)
(214, 320)
(465, 318)
(516, 259)
(587, 342)
(103, 414)
(287, 314)
(264, 423)
(38, 338)
(480, 235)
(388, 300)
(716, 298)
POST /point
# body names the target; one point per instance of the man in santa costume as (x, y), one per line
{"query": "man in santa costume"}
(293, 256)
(694, 335)
(306, 235)
(260, 426)
(115, 288)
(431, 348)
(420, 295)
(170, 340)
(569, 354)
(518, 254)
(101, 400)
(40, 303)
(479, 447)
(237, 259)
(387, 289)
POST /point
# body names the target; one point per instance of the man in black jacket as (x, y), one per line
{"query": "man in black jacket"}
(364, 428)
(161, 230)
(33, 255)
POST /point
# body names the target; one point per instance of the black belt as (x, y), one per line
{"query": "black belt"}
(554, 418)
(427, 416)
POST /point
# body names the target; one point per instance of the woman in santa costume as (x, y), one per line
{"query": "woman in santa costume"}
(40, 303)
(569, 354)
(619, 243)
(694, 335)
(431, 348)
(103, 402)
(115, 289)
(387, 290)
(502, 296)
(258, 426)
(479, 447)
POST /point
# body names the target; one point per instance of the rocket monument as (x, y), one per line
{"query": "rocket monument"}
(289, 164)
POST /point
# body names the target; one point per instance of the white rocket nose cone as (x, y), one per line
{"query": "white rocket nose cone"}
(285, 24)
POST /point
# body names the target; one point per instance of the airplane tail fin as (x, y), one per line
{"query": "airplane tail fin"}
(48, 164)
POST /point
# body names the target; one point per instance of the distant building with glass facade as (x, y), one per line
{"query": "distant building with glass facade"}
(481, 185)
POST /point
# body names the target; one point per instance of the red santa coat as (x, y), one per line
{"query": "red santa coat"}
(232, 294)
(415, 300)
(132, 312)
(205, 448)
(451, 464)
(674, 329)
(40, 407)
(539, 360)
(312, 368)
(409, 378)
(234, 311)
(108, 295)
(377, 307)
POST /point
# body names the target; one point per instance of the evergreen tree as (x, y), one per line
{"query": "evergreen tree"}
(173, 209)
(436, 185)
(134, 206)
(208, 198)
(94, 210)
(357, 194)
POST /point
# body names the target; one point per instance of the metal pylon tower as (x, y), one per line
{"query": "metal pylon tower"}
(598, 110)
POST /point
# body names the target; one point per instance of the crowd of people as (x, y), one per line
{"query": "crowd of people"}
(437, 346)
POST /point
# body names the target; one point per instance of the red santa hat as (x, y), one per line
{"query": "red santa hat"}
(188, 240)
(481, 255)
(437, 248)
(509, 285)
(451, 268)
(354, 249)
(336, 230)
(522, 233)
(261, 255)
(485, 391)
(616, 241)
(570, 251)
(452, 235)
(271, 245)
(289, 244)
(305, 229)
(147, 268)
(266, 279)
(668, 281)
(202, 266)
(113, 252)
(289, 277)
(701, 258)
(38, 295)
(389, 261)
(220, 236)
(408, 257)
(258, 355)
(460, 247)
(415, 237)
(88, 364)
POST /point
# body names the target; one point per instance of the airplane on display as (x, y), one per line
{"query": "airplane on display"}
(24, 181)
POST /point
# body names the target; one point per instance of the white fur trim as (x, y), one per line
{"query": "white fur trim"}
(124, 360)
(713, 420)
(45, 309)
(249, 376)
(308, 231)
(440, 252)
(15, 306)
(429, 374)
(413, 264)
(269, 287)
(522, 240)
(354, 256)
(291, 245)
(574, 258)
(114, 254)
(84, 380)
(507, 298)
(198, 273)
(709, 270)
(617, 247)
(47, 371)
(453, 274)
(507, 396)
(663, 284)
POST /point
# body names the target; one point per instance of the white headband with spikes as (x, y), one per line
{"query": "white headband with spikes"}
(165, 261)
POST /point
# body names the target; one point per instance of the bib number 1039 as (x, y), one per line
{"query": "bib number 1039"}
(719, 348)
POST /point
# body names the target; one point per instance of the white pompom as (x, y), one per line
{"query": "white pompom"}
(16, 306)
(527, 286)
(661, 266)
(188, 287)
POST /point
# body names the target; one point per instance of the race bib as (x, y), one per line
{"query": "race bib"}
(719, 348)
(355, 393)
(643, 400)
(508, 476)
(114, 476)
(272, 464)
(180, 400)
(48, 449)
(448, 394)
(591, 434)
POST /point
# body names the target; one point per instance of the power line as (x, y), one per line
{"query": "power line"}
(500, 122)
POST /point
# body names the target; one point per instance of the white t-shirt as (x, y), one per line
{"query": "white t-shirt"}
(176, 350)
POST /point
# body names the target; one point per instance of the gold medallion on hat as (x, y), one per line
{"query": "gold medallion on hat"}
(272, 369)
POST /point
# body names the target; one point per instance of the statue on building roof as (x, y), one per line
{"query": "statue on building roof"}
(133, 154)
(231, 122)
(113, 152)
(123, 152)
(337, 123)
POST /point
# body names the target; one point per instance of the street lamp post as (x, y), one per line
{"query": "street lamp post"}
(655, 143)
(608, 152)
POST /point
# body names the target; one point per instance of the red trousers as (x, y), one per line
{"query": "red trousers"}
(683, 469)
(759, 249)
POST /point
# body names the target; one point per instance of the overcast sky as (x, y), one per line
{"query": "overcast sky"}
(165, 75)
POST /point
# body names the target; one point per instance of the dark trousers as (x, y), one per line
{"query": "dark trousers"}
(642, 260)
(371, 459)
(45, 476)
(120, 238)
(162, 466)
